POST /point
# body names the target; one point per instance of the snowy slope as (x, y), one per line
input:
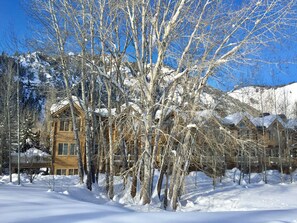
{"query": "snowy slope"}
(39, 69)
(37, 74)
(223, 103)
(275, 100)
(70, 202)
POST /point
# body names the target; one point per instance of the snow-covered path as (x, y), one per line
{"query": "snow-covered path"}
(34, 203)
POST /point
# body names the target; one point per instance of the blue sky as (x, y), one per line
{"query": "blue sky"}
(13, 18)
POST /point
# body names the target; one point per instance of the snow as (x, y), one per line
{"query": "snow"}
(166, 112)
(276, 100)
(71, 202)
(292, 123)
(61, 104)
(207, 113)
(236, 118)
(202, 117)
(104, 111)
(132, 105)
(266, 121)
(258, 3)
(101, 111)
(130, 82)
(257, 21)
(207, 99)
(191, 125)
(32, 152)
(35, 66)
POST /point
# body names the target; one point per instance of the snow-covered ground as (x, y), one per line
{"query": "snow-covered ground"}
(229, 202)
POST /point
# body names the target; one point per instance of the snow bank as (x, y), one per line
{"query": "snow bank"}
(71, 202)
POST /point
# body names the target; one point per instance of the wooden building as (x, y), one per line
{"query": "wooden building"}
(64, 154)
(267, 138)
(236, 140)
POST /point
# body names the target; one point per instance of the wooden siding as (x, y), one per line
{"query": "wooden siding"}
(66, 161)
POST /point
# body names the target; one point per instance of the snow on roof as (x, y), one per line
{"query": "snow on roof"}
(292, 124)
(266, 121)
(32, 152)
(237, 118)
(104, 111)
(101, 111)
(61, 104)
(207, 114)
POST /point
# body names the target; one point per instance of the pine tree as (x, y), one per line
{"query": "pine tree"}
(29, 137)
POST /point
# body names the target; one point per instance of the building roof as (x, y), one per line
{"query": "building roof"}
(292, 124)
(236, 118)
(61, 104)
(266, 121)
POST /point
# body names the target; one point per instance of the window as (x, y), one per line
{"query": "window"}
(77, 125)
(64, 125)
(72, 151)
(73, 172)
(63, 149)
(61, 172)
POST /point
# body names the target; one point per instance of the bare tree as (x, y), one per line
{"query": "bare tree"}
(7, 75)
(56, 24)
(200, 40)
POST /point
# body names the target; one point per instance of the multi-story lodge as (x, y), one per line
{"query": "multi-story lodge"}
(64, 155)
(270, 138)
(267, 138)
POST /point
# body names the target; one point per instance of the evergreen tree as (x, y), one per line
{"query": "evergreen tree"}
(29, 137)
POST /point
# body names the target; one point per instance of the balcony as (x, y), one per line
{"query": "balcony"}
(32, 158)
